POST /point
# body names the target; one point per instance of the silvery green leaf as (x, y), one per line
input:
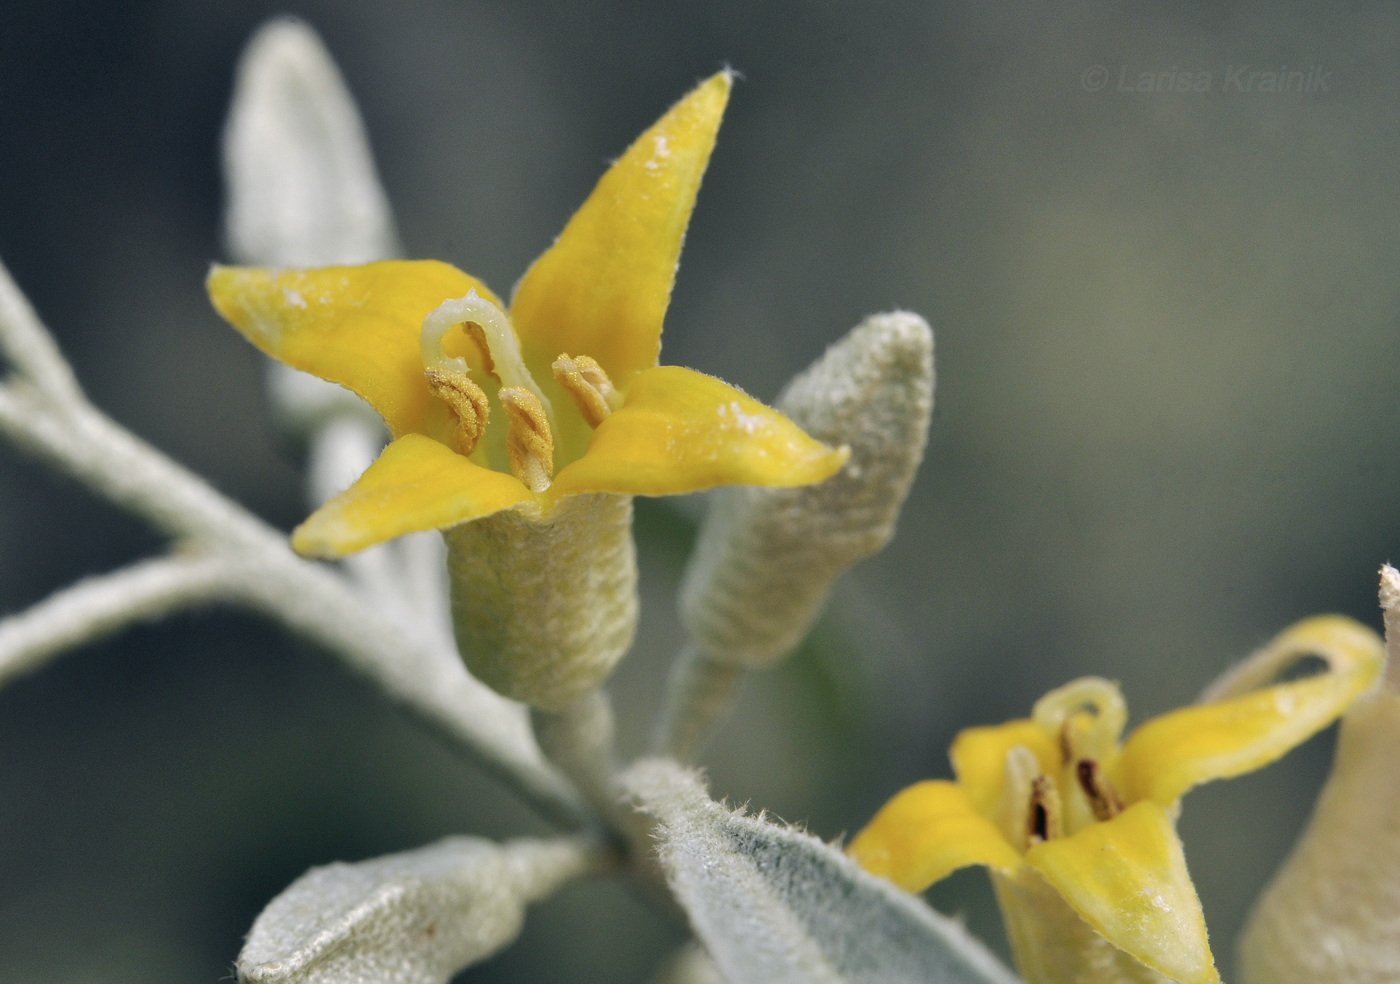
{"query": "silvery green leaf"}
(766, 558)
(412, 918)
(774, 905)
(302, 184)
(302, 189)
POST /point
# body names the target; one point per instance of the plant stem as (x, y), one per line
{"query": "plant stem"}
(699, 694)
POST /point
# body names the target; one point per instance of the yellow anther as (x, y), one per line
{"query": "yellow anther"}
(529, 440)
(589, 385)
(467, 403)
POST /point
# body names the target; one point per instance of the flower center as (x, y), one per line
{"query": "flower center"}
(528, 440)
(1085, 719)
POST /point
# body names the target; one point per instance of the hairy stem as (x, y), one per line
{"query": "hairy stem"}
(260, 570)
(579, 741)
(97, 606)
(699, 695)
(29, 347)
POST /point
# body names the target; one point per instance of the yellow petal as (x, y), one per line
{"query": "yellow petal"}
(680, 430)
(1168, 755)
(416, 484)
(979, 758)
(926, 832)
(602, 289)
(1127, 878)
(354, 325)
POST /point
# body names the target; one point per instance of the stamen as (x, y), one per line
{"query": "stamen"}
(1021, 769)
(1044, 821)
(589, 385)
(1103, 798)
(466, 401)
(529, 441)
(489, 327)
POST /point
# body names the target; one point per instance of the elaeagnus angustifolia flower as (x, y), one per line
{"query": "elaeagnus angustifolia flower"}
(523, 431)
(1078, 828)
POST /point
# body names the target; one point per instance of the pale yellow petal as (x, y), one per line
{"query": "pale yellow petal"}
(416, 484)
(925, 833)
(1168, 755)
(1127, 878)
(680, 430)
(354, 325)
(979, 758)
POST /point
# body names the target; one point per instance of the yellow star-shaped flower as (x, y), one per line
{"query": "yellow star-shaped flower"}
(562, 395)
(1078, 829)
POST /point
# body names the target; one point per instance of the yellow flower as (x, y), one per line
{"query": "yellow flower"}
(492, 411)
(523, 435)
(1078, 829)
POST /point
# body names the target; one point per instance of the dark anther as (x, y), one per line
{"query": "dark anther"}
(1103, 798)
(1044, 819)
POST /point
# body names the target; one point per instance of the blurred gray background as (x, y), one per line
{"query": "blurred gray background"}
(1166, 425)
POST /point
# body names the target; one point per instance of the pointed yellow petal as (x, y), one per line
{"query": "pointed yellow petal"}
(926, 832)
(416, 484)
(354, 325)
(680, 430)
(1127, 878)
(1168, 755)
(601, 290)
(979, 758)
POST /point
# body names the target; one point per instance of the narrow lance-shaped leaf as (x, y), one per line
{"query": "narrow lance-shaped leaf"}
(412, 918)
(774, 905)
(302, 184)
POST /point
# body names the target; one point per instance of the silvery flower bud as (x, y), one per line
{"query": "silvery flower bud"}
(545, 607)
(1332, 913)
(766, 558)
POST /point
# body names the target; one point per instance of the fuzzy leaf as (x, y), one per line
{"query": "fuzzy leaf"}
(774, 905)
(412, 918)
(302, 184)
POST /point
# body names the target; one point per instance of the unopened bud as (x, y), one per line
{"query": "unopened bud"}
(1332, 913)
(544, 607)
(766, 558)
